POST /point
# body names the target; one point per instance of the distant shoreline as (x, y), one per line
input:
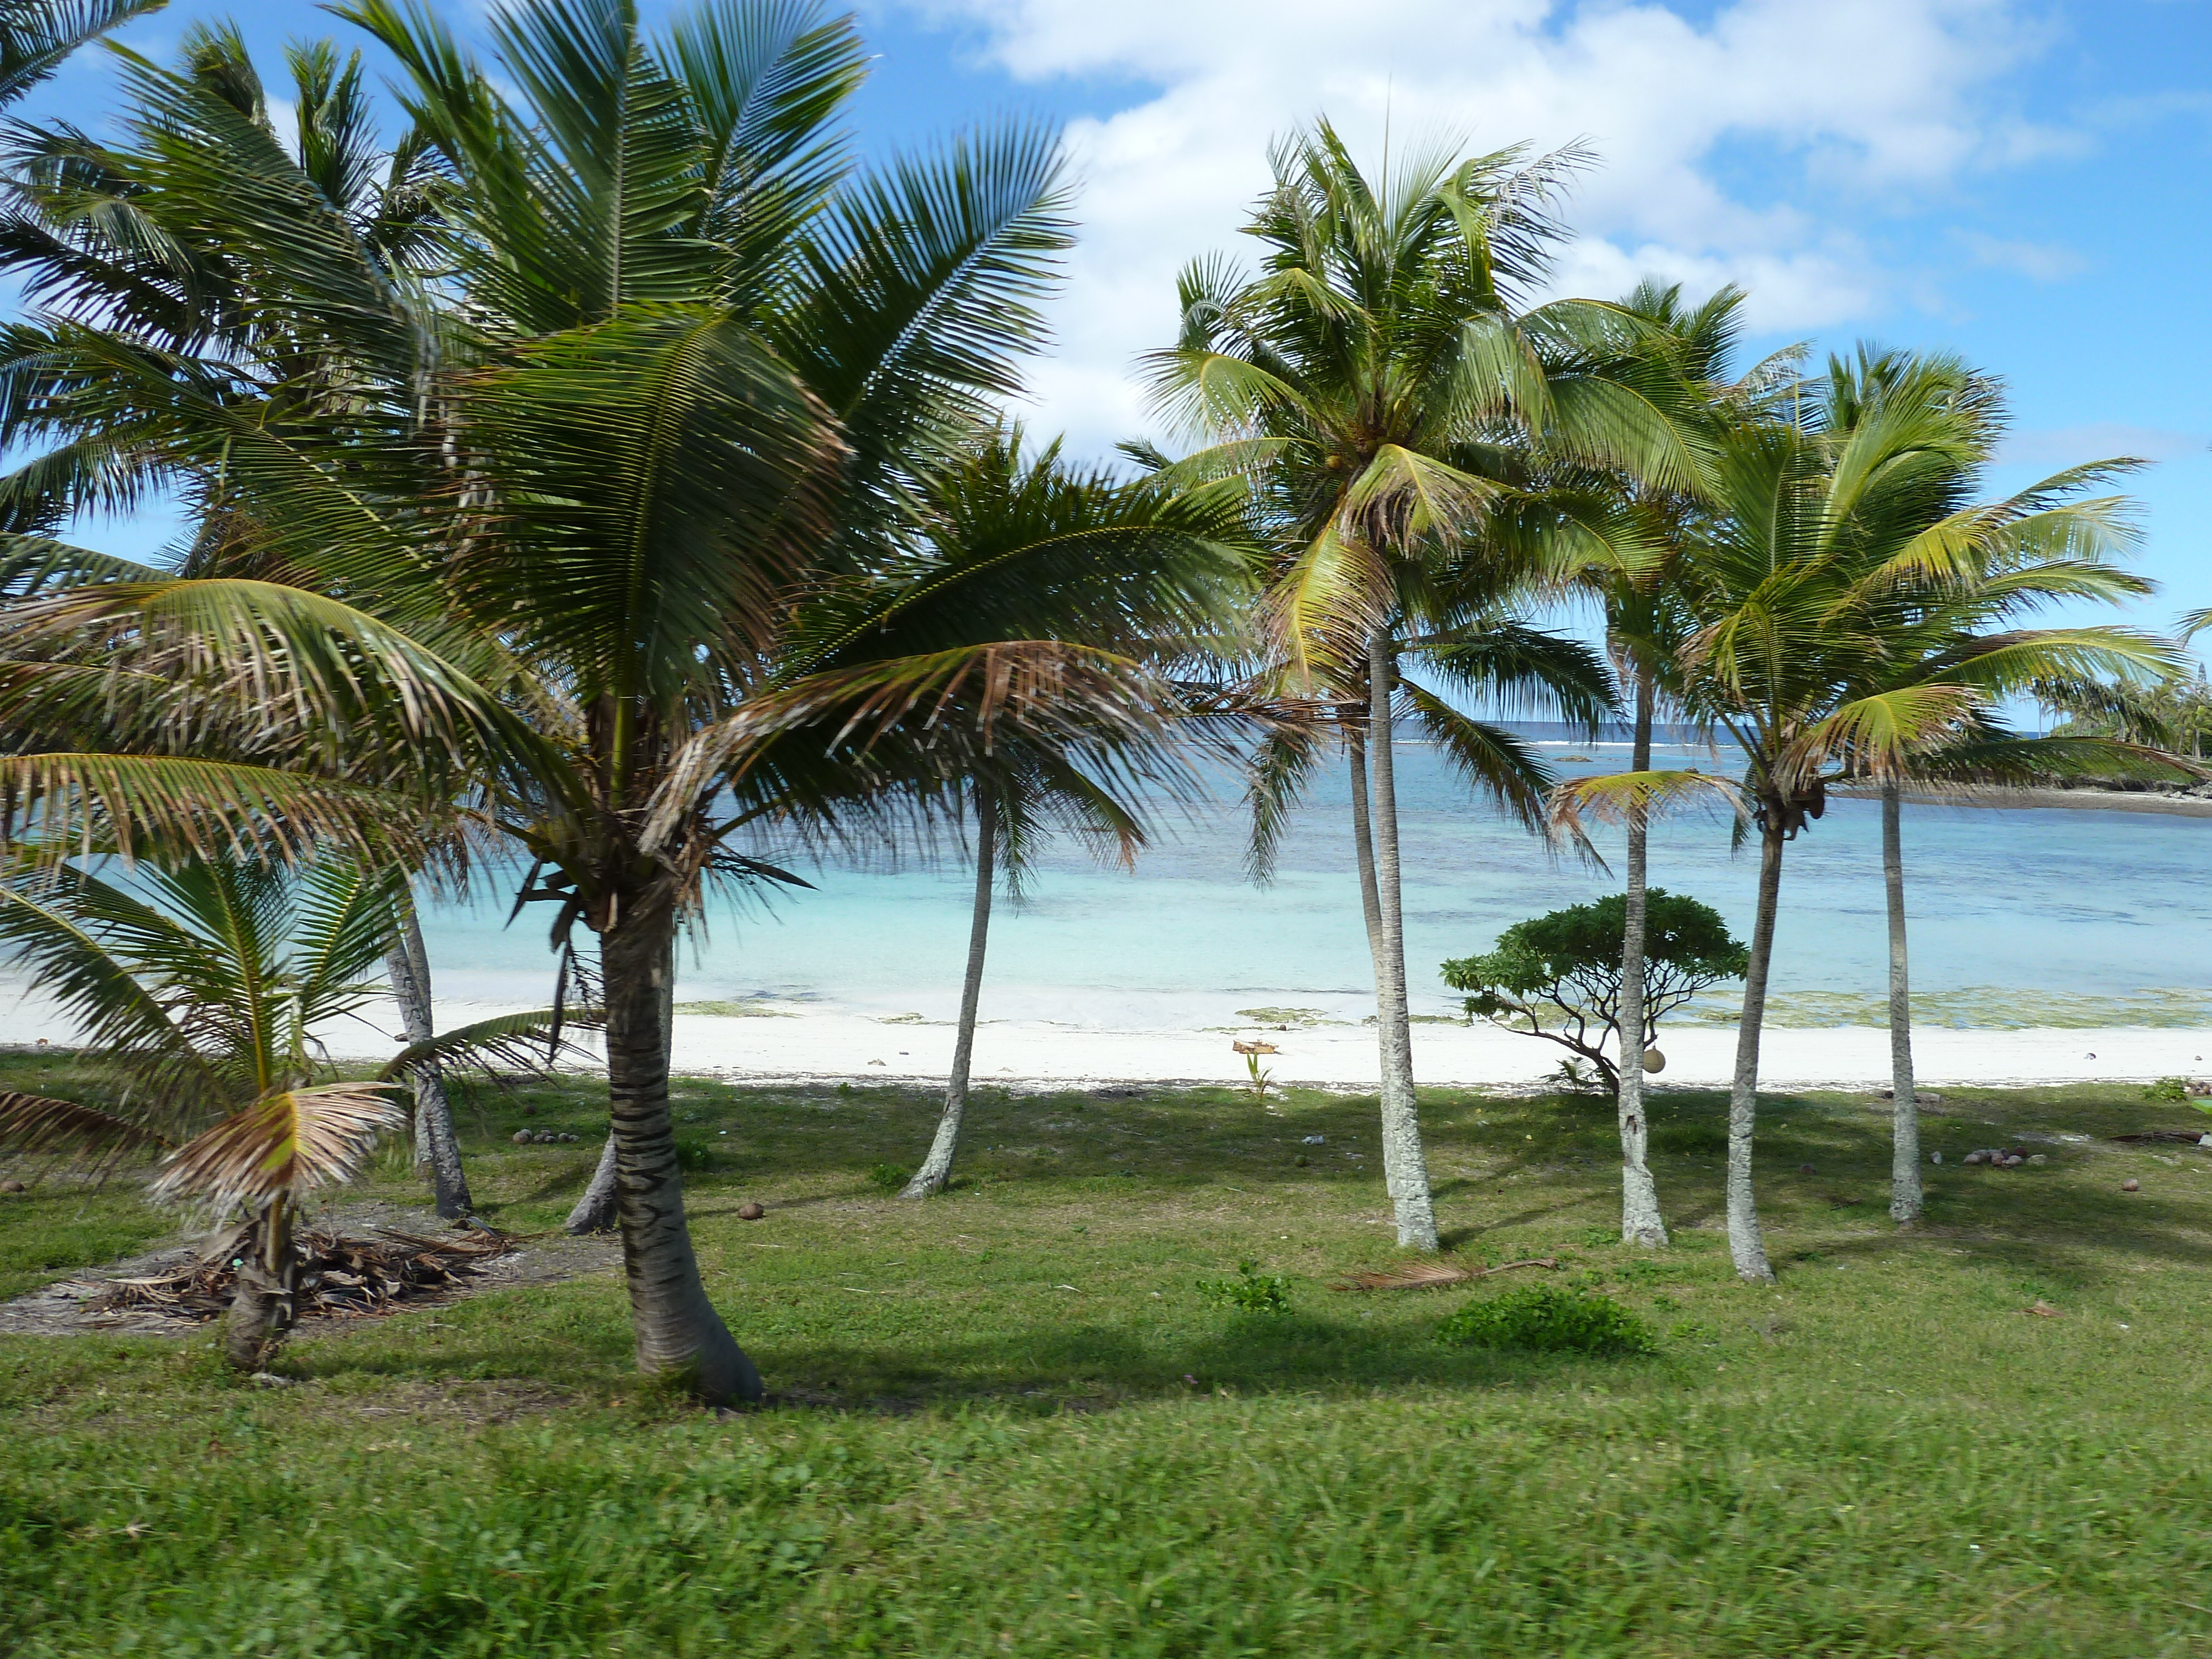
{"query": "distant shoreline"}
(2079, 800)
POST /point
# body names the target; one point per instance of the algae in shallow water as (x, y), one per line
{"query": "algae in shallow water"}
(1981, 1007)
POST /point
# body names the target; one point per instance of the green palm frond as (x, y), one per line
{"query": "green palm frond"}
(961, 701)
(664, 474)
(2016, 761)
(1491, 760)
(1623, 796)
(1878, 734)
(921, 286)
(1324, 604)
(86, 942)
(1524, 671)
(1282, 767)
(31, 565)
(527, 1041)
(166, 806)
(36, 35)
(344, 917)
(764, 81)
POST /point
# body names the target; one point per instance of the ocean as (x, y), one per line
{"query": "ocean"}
(2019, 918)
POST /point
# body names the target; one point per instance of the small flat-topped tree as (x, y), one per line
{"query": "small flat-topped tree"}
(1557, 977)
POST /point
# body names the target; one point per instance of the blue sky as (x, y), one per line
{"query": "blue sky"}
(2030, 185)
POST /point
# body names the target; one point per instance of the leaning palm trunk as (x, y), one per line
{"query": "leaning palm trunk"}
(408, 965)
(1404, 1166)
(1745, 1242)
(1640, 1220)
(1370, 904)
(264, 1303)
(1904, 1193)
(678, 1333)
(595, 1210)
(937, 1167)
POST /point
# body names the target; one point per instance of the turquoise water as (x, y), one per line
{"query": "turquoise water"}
(2018, 917)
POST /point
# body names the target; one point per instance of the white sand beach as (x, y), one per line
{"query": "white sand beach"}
(819, 1042)
(843, 1045)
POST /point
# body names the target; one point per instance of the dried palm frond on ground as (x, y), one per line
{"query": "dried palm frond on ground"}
(1432, 1275)
(339, 1277)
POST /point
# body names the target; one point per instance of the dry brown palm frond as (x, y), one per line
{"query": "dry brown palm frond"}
(339, 1277)
(33, 1123)
(283, 1145)
(1431, 1275)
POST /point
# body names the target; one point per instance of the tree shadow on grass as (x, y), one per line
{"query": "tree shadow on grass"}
(2042, 1221)
(1092, 1368)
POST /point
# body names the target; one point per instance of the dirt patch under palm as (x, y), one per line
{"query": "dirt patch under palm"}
(368, 1261)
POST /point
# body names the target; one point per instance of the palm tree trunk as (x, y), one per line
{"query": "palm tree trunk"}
(263, 1303)
(595, 1210)
(1640, 1220)
(676, 1331)
(936, 1168)
(1904, 1193)
(1745, 1242)
(408, 963)
(1371, 905)
(1363, 843)
(1401, 1124)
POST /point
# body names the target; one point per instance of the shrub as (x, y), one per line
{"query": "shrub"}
(1549, 1321)
(1250, 1291)
(1557, 977)
(2167, 1088)
(888, 1177)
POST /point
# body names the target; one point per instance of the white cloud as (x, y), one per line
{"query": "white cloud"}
(2040, 262)
(1844, 111)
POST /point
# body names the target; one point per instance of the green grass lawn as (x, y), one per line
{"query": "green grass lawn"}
(1007, 1422)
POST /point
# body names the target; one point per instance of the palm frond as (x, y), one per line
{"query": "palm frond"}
(1281, 769)
(284, 1146)
(32, 1124)
(1621, 797)
(526, 1042)
(1489, 759)
(164, 806)
(36, 35)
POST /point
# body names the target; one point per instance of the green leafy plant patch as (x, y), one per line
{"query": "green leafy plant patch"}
(1250, 1291)
(1545, 1320)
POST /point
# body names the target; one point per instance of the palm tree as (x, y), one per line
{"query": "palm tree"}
(199, 988)
(1833, 533)
(1677, 359)
(625, 575)
(1147, 572)
(1375, 382)
(94, 228)
(2172, 712)
(1954, 600)
(2011, 557)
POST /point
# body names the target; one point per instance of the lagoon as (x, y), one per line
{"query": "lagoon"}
(2019, 917)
